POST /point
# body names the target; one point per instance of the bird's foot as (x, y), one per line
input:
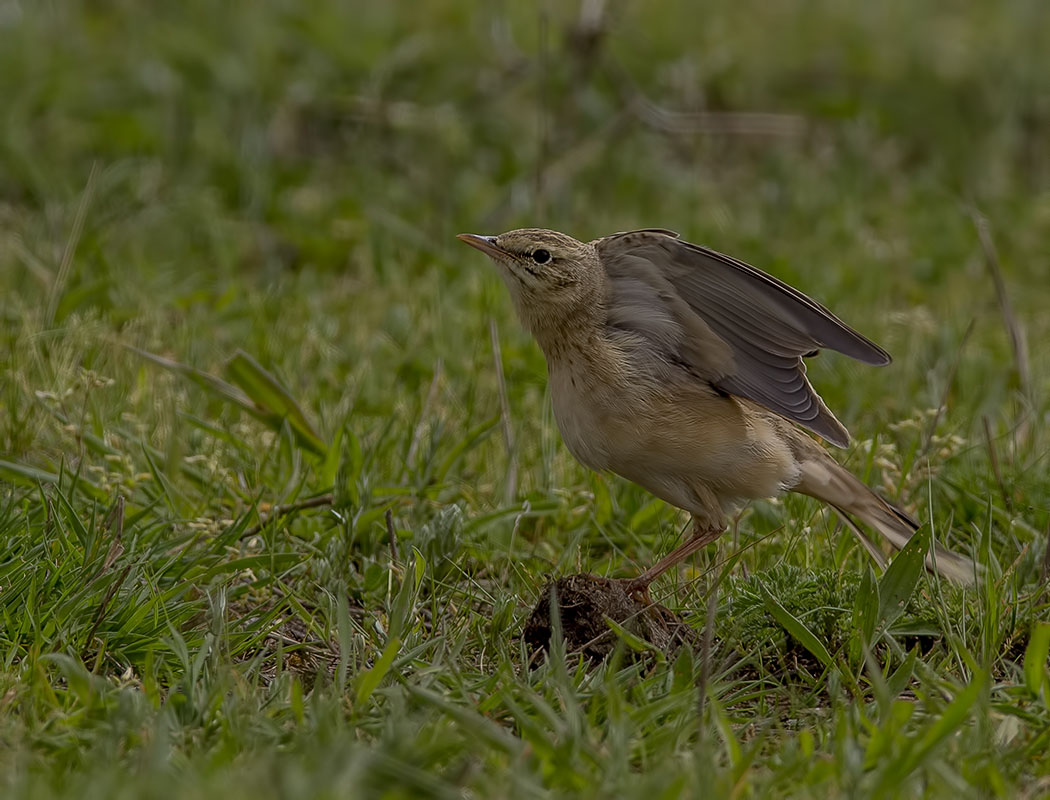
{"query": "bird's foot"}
(637, 588)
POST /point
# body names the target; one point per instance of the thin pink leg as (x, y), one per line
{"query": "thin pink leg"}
(700, 539)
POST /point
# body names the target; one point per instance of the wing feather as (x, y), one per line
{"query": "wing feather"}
(738, 327)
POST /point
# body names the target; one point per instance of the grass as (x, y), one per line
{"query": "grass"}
(229, 282)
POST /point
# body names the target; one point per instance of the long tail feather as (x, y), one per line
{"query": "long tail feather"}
(823, 478)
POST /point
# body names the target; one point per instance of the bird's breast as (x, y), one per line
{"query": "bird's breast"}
(586, 415)
(611, 415)
(666, 439)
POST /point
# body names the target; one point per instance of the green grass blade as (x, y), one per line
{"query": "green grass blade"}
(797, 629)
(902, 575)
(269, 394)
(940, 728)
(1035, 656)
(369, 680)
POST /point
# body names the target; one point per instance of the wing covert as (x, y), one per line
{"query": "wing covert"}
(766, 325)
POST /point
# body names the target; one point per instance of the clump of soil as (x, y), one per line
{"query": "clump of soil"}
(584, 601)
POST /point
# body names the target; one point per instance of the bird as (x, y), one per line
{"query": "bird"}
(681, 369)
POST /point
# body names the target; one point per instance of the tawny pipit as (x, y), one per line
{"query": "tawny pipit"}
(681, 369)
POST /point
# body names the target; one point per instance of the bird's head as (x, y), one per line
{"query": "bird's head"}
(550, 275)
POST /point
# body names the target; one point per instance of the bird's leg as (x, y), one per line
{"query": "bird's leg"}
(701, 538)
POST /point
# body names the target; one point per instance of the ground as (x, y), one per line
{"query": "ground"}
(281, 483)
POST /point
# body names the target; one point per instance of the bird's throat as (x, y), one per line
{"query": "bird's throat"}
(574, 335)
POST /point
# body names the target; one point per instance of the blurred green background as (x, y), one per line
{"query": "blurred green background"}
(184, 182)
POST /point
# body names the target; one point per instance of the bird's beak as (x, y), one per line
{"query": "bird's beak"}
(486, 244)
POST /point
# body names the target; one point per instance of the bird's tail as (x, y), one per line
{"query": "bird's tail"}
(825, 479)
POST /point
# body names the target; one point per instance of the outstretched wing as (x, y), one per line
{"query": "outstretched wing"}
(766, 325)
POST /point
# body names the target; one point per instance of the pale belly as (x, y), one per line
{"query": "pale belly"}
(704, 453)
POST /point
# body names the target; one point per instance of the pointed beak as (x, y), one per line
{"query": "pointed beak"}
(486, 244)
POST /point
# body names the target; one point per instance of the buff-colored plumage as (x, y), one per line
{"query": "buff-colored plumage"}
(681, 369)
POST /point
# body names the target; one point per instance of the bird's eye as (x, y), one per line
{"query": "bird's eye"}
(541, 256)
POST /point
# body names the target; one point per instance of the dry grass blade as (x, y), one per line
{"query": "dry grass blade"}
(993, 457)
(1018, 340)
(392, 536)
(55, 295)
(543, 115)
(101, 614)
(722, 123)
(424, 414)
(279, 511)
(510, 487)
(115, 523)
(1044, 574)
(943, 404)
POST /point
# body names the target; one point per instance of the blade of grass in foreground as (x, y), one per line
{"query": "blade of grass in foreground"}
(950, 720)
